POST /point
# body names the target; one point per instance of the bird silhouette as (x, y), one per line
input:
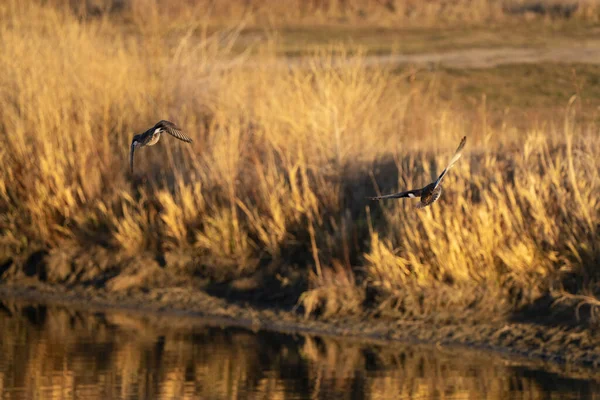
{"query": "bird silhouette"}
(152, 136)
(430, 193)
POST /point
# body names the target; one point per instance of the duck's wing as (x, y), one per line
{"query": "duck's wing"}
(409, 193)
(172, 130)
(455, 158)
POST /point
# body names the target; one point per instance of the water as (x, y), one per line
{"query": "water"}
(57, 353)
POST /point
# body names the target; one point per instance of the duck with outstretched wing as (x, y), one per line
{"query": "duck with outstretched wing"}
(430, 193)
(152, 136)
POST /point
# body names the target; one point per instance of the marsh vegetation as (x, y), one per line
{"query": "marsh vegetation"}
(270, 200)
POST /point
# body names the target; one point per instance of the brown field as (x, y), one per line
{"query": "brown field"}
(270, 199)
(294, 13)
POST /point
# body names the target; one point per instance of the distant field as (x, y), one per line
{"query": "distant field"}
(523, 94)
(272, 193)
(410, 40)
(430, 13)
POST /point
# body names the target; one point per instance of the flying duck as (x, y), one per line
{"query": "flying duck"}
(152, 136)
(430, 193)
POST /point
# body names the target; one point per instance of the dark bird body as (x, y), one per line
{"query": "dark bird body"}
(430, 193)
(152, 136)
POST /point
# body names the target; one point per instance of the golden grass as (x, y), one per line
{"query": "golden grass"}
(281, 163)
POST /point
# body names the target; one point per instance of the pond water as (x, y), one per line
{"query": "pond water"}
(52, 352)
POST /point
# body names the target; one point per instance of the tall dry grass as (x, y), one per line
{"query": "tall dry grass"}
(282, 160)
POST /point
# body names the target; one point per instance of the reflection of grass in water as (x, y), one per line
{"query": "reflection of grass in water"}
(69, 352)
(279, 170)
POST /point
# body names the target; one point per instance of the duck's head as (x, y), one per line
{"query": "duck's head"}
(136, 142)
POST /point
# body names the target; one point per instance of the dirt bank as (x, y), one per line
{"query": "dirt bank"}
(558, 347)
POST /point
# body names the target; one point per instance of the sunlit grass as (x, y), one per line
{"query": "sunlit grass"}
(280, 167)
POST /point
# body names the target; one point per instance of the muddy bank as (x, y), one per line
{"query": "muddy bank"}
(280, 297)
(556, 346)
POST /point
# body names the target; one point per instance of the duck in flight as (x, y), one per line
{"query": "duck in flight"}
(431, 192)
(152, 136)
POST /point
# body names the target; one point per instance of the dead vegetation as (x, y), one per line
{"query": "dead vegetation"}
(278, 173)
(383, 13)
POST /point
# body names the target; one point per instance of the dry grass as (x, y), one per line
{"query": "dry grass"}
(262, 13)
(280, 167)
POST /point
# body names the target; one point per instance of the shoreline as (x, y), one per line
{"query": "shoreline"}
(550, 347)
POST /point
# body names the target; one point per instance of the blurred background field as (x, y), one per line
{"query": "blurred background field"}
(298, 111)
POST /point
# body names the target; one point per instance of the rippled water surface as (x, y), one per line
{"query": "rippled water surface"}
(58, 353)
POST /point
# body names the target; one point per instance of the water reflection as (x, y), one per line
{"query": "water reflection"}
(57, 353)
